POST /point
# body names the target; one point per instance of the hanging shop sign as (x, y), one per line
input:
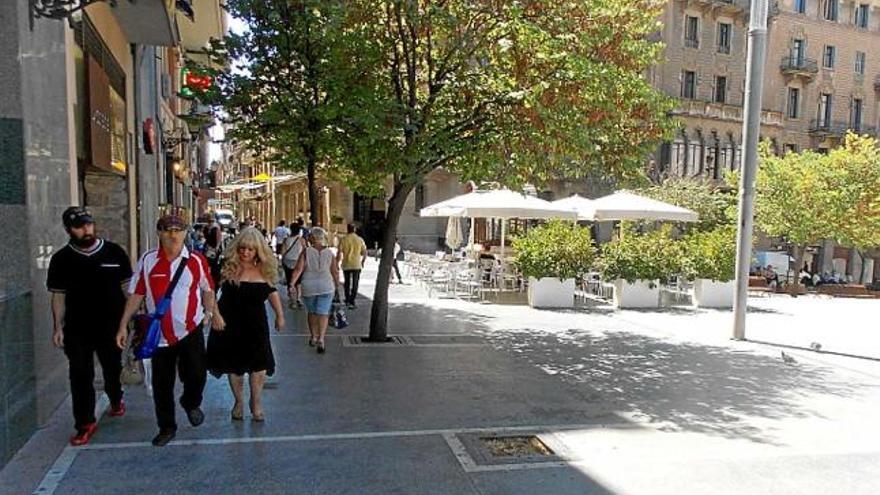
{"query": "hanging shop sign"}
(194, 83)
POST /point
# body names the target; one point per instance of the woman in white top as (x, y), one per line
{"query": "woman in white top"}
(320, 277)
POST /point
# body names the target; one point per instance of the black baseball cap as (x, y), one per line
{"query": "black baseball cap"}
(76, 216)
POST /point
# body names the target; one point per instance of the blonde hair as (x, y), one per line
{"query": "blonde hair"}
(249, 237)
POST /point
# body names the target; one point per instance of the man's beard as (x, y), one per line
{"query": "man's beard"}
(85, 241)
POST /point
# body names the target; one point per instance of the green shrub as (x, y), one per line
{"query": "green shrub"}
(710, 254)
(557, 249)
(650, 256)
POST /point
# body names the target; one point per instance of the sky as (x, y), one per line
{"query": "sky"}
(215, 150)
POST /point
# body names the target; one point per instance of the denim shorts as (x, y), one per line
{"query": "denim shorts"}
(319, 305)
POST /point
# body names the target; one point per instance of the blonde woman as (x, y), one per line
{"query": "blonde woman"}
(320, 277)
(239, 343)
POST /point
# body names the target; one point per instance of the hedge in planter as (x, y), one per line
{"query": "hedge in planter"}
(649, 256)
(710, 255)
(556, 249)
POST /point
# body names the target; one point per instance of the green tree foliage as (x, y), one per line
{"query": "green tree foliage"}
(807, 197)
(715, 205)
(285, 86)
(649, 256)
(709, 254)
(505, 91)
(556, 249)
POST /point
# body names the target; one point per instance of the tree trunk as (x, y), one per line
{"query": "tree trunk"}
(800, 253)
(311, 164)
(379, 309)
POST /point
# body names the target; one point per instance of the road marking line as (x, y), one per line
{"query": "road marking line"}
(57, 472)
(62, 464)
(355, 436)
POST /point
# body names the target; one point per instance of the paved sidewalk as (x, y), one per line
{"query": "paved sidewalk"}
(629, 402)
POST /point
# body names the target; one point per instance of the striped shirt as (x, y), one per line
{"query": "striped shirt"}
(151, 279)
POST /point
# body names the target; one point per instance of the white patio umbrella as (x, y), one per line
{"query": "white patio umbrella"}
(624, 205)
(453, 232)
(500, 203)
(577, 203)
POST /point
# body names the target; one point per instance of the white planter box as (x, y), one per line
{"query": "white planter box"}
(551, 293)
(712, 294)
(640, 294)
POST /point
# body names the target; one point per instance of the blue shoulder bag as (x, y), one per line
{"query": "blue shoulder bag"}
(148, 327)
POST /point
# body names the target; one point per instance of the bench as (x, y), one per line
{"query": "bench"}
(759, 285)
(846, 290)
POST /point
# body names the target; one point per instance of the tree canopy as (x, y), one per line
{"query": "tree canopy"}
(507, 91)
(806, 197)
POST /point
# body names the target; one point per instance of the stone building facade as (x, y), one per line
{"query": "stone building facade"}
(86, 117)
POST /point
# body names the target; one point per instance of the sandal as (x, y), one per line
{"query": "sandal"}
(239, 416)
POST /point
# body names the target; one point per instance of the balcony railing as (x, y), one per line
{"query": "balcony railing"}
(724, 111)
(799, 66)
(839, 128)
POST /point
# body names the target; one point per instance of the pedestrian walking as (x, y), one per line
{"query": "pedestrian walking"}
(352, 255)
(86, 278)
(182, 345)
(398, 256)
(281, 233)
(239, 344)
(320, 279)
(213, 246)
(290, 253)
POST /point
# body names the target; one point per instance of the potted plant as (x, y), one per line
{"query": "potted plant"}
(552, 256)
(636, 263)
(709, 259)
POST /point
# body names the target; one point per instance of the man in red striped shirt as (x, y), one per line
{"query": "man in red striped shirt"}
(182, 346)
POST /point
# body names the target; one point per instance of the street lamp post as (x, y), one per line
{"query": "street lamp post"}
(751, 134)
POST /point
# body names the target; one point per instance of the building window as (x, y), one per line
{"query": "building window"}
(789, 148)
(824, 110)
(856, 115)
(829, 13)
(692, 32)
(724, 31)
(828, 57)
(862, 15)
(860, 63)
(798, 52)
(794, 100)
(720, 89)
(689, 84)
(800, 6)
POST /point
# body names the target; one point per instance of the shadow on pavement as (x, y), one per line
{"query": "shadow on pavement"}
(679, 386)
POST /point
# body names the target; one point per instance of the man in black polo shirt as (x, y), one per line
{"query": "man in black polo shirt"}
(86, 279)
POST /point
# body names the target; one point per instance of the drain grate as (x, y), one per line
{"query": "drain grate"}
(519, 446)
(507, 450)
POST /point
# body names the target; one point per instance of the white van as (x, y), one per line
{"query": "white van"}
(225, 218)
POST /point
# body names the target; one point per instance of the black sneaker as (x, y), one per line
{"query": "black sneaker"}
(165, 435)
(195, 416)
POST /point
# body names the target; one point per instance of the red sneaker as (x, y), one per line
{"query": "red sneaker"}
(84, 434)
(117, 410)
